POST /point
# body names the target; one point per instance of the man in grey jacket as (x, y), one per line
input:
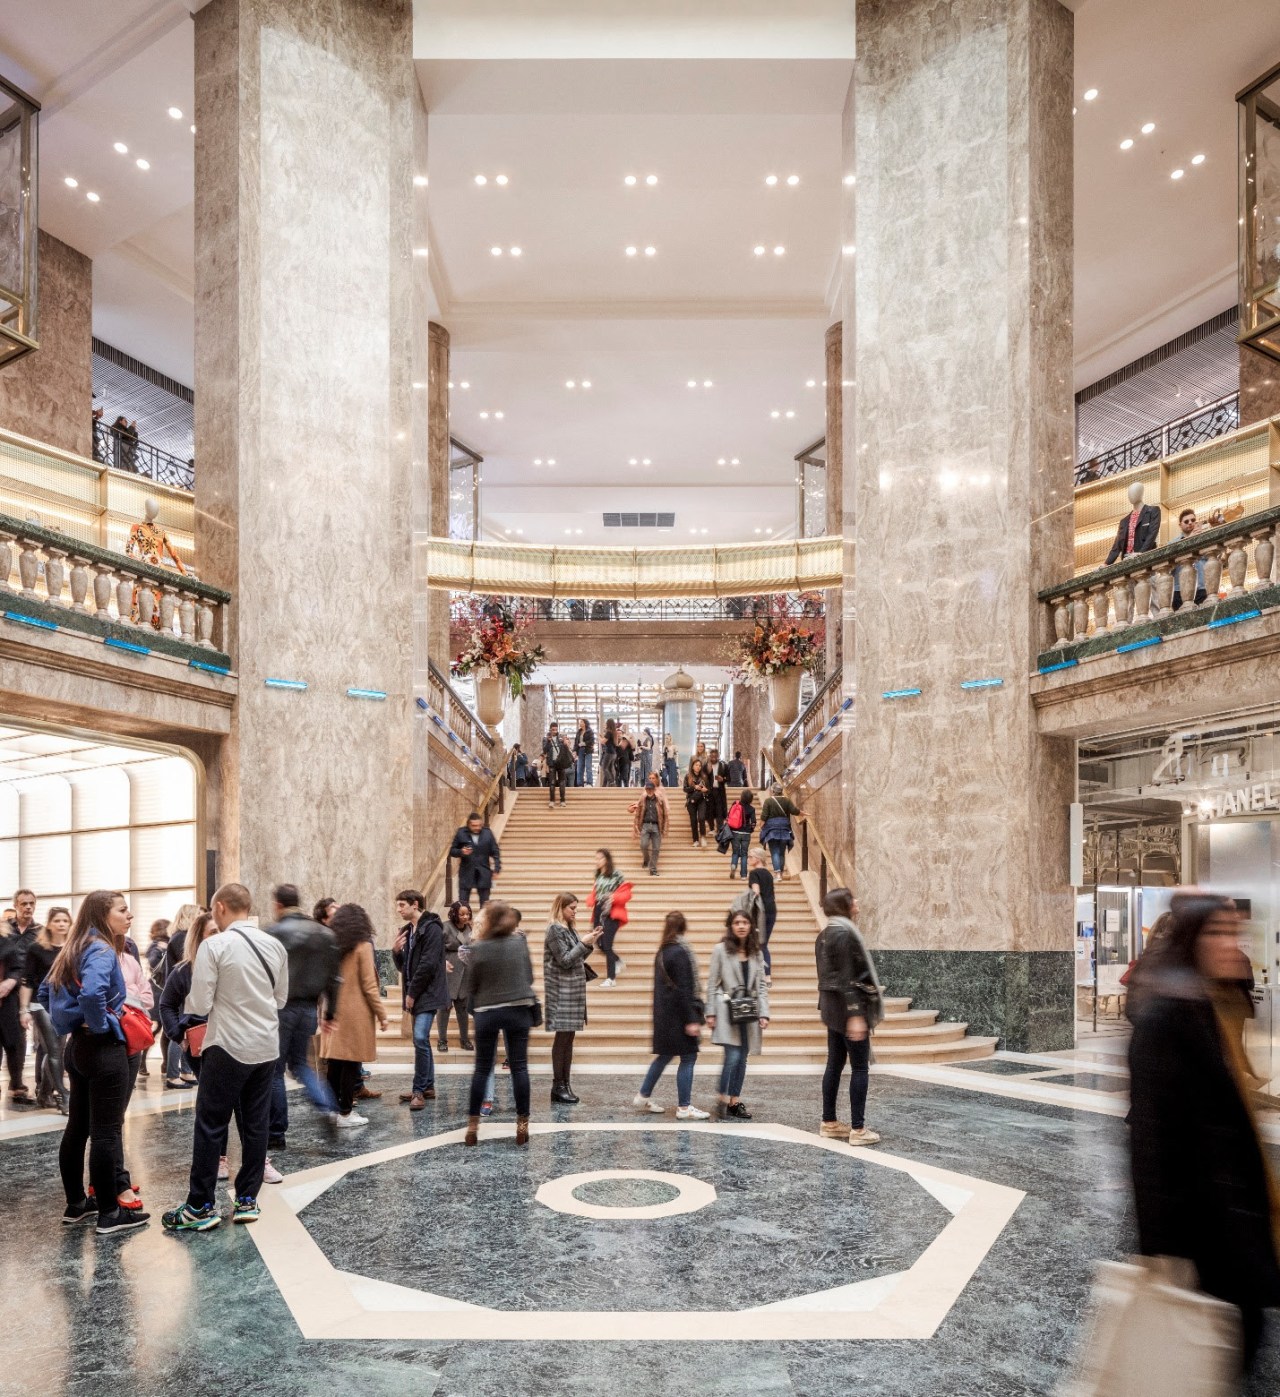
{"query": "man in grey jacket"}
(313, 974)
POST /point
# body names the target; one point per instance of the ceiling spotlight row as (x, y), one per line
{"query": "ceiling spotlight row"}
(498, 415)
(760, 250)
(790, 412)
(630, 180)
(573, 531)
(577, 383)
(1195, 160)
(733, 461)
(642, 461)
(514, 251)
(648, 251)
(764, 531)
(72, 183)
(497, 179)
(1147, 128)
(792, 180)
(693, 383)
(538, 461)
(462, 384)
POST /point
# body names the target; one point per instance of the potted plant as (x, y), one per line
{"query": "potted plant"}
(776, 652)
(497, 651)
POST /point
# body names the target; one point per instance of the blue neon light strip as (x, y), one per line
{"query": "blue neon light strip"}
(125, 645)
(285, 683)
(422, 703)
(366, 693)
(1231, 620)
(981, 683)
(211, 669)
(30, 621)
(1053, 669)
(900, 693)
(1139, 644)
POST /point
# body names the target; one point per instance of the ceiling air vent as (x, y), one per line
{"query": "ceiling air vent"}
(639, 521)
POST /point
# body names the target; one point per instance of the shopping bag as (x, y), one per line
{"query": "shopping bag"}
(1150, 1333)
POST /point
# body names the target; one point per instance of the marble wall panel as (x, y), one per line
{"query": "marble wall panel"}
(304, 338)
(48, 394)
(1259, 386)
(961, 467)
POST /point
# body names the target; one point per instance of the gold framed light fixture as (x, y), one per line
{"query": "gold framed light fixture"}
(19, 181)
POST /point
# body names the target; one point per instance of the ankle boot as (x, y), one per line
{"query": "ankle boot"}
(522, 1130)
(561, 1095)
(570, 1096)
(472, 1137)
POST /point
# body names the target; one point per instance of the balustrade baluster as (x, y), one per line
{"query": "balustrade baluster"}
(1185, 575)
(1141, 597)
(187, 618)
(204, 621)
(1264, 554)
(1101, 615)
(146, 606)
(1079, 616)
(55, 574)
(28, 566)
(102, 588)
(1212, 576)
(1162, 588)
(1237, 566)
(1062, 621)
(1122, 601)
(168, 605)
(79, 584)
(124, 599)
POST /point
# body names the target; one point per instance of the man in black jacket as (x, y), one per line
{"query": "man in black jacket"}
(718, 774)
(479, 858)
(15, 937)
(313, 973)
(559, 758)
(419, 957)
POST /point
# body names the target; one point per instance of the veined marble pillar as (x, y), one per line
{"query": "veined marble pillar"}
(438, 476)
(305, 292)
(835, 479)
(962, 470)
(753, 727)
(534, 709)
(1259, 386)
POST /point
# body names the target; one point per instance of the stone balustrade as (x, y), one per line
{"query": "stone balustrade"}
(1132, 601)
(458, 724)
(58, 583)
(818, 721)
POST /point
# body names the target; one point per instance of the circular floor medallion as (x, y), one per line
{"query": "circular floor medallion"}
(690, 1194)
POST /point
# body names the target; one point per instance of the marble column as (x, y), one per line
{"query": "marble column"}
(1259, 386)
(438, 477)
(753, 727)
(534, 709)
(835, 480)
(962, 472)
(306, 286)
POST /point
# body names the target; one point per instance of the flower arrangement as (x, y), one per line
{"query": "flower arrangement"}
(497, 643)
(777, 643)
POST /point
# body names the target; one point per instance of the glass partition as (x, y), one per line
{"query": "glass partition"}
(1259, 118)
(18, 185)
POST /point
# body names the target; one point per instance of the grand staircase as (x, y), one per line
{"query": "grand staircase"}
(545, 852)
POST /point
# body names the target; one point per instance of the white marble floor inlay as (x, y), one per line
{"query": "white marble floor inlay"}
(330, 1304)
(691, 1194)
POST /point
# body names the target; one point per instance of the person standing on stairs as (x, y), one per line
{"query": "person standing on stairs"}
(564, 982)
(696, 801)
(717, 789)
(419, 957)
(760, 882)
(776, 833)
(609, 754)
(479, 858)
(458, 931)
(678, 1017)
(851, 1004)
(647, 745)
(741, 820)
(626, 755)
(670, 764)
(649, 823)
(608, 903)
(737, 1007)
(584, 746)
(558, 756)
(738, 771)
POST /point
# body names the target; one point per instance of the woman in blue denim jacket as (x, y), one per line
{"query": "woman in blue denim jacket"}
(84, 992)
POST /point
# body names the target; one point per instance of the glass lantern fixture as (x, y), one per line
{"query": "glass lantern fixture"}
(1259, 156)
(19, 180)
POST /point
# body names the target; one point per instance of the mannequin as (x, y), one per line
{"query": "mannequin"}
(1139, 530)
(149, 542)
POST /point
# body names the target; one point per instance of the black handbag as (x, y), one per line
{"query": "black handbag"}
(742, 1003)
(535, 1013)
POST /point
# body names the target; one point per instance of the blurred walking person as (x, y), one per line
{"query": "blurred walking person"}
(353, 1039)
(479, 858)
(776, 832)
(503, 1002)
(678, 1016)
(851, 1004)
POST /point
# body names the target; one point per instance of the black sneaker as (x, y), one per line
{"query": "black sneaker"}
(738, 1112)
(86, 1211)
(122, 1220)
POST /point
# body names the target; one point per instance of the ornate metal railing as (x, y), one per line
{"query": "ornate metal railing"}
(658, 608)
(817, 719)
(128, 603)
(460, 725)
(1131, 603)
(1215, 419)
(126, 452)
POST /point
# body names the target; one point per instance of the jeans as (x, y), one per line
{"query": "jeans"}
(646, 767)
(224, 1082)
(98, 1070)
(778, 853)
(512, 1022)
(684, 1075)
(583, 775)
(770, 916)
(734, 1071)
(739, 848)
(297, 1028)
(697, 821)
(344, 1078)
(606, 945)
(480, 880)
(176, 1061)
(491, 1085)
(555, 781)
(858, 1053)
(650, 846)
(424, 1065)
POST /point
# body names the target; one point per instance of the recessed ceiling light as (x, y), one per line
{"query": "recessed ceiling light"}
(193, 132)
(498, 415)
(630, 179)
(758, 250)
(484, 414)
(1177, 174)
(849, 249)
(1148, 128)
(499, 179)
(506, 531)
(779, 250)
(706, 383)
(759, 531)
(551, 460)
(768, 531)
(651, 179)
(577, 531)
(143, 164)
(451, 385)
(1197, 159)
(793, 179)
(71, 182)
(633, 462)
(120, 148)
(423, 385)
(771, 179)
(849, 179)
(645, 461)
(480, 179)
(517, 252)
(790, 412)
(568, 531)
(650, 251)
(420, 251)
(519, 531)
(722, 462)
(702, 531)
(586, 383)
(692, 383)
(775, 413)
(420, 181)
(631, 251)
(537, 460)
(570, 383)
(811, 383)
(495, 252)
(733, 460)
(91, 196)
(465, 384)
(1091, 94)
(1127, 143)
(176, 113)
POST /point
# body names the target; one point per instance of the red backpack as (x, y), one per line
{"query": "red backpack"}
(735, 819)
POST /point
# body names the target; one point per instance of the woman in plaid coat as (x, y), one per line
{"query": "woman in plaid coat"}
(564, 983)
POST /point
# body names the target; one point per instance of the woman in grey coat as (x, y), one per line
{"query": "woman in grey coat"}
(458, 932)
(564, 983)
(737, 974)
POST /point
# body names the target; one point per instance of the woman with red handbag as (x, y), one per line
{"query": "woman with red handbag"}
(84, 993)
(608, 902)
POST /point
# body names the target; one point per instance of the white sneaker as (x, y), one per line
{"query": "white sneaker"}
(350, 1122)
(691, 1113)
(607, 984)
(223, 1171)
(622, 965)
(272, 1175)
(863, 1137)
(642, 1103)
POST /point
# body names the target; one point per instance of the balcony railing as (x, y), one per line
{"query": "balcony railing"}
(128, 604)
(817, 723)
(655, 609)
(126, 452)
(458, 724)
(1130, 605)
(1215, 419)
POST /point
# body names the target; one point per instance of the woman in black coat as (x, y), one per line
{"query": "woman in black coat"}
(678, 1016)
(1200, 1179)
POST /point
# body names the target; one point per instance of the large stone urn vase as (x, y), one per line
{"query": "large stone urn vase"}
(784, 695)
(491, 698)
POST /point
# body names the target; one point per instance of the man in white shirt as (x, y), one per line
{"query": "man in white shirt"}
(240, 980)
